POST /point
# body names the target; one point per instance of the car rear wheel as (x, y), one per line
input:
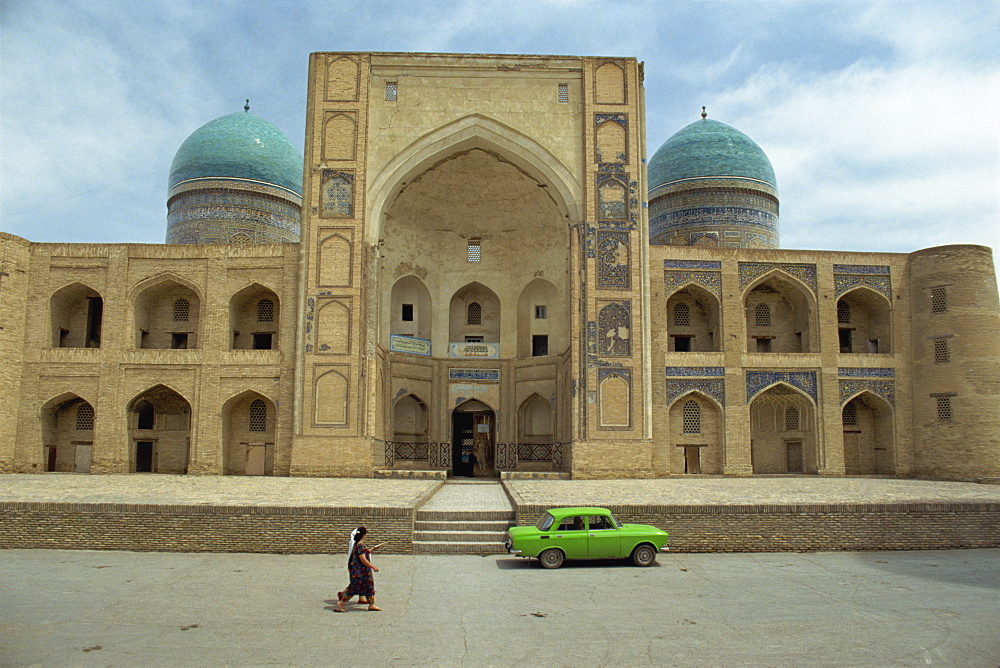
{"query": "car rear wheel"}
(551, 558)
(644, 555)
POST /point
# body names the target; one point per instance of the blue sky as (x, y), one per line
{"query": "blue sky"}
(881, 118)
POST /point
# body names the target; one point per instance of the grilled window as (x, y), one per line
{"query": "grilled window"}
(84, 416)
(265, 310)
(390, 91)
(762, 315)
(682, 315)
(474, 250)
(943, 409)
(843, 312)
(563, 95)
(474, 314)
(850, 415)
(792, 419)
(939, 300)
(941, 351)
(182, 310)
(691, 415)
(258, 416)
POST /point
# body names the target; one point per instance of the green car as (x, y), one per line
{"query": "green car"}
(585, 533)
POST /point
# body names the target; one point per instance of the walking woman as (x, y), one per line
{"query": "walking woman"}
(360, 568)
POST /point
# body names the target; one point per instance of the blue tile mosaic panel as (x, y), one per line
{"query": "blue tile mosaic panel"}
(861, 269)
(710, 280)
(749, 271)
(713, 387)
(613, 260)
(864, 372)
(614, 330)
(851, 387)
(620, 371)
(843, 283)
(612, 196)
(475, 375)
(686, 371)
(620, 119)
(692, 264)
(760, 380)
(337, 194)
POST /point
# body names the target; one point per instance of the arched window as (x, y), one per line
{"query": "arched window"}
(850, 415)
(762, 315)
(84, 416)
(692, 418)
(843, 312)
(682, 315)
(265, 310)
(258, 416)
(146, 415)
(474, 314)
(182, 310)
(792, 419)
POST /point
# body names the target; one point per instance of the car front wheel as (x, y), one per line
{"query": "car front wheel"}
(644, 555)
(551, 558)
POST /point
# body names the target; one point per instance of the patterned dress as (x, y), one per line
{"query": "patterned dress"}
(362, 582)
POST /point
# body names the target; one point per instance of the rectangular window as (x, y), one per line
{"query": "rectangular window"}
(540, 312)
(473, 339)
(939, 300)
(943, 409)
(682, 344)
(474, 250)
(539, 345)
(873, 345)
(763, 345)
(390, 91)
(941, 352)
(262, 341)
(179, 340)
(845, 340)
(407, 313)
(563, 95)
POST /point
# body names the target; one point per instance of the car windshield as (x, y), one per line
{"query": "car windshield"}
(545, 523)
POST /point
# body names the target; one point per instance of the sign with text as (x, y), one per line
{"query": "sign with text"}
(409, 345)
(474, 350)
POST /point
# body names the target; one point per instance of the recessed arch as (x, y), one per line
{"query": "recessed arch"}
(696, 434)
(410, 421)
(869, 434)
(473, 131)
(67, 424)
(462, 327)
(157, 321)
(702, 330)
(76, 313)
(162, 445)
(790, 309)
(777, 446)
(864, 321)
(254, 318)
(249, 428)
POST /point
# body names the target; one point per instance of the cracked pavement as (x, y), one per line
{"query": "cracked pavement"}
(83, 608)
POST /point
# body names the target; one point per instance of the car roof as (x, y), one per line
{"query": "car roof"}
(578, 510)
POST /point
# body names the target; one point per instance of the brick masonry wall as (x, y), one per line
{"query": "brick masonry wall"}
(803, 528)
(154, 528)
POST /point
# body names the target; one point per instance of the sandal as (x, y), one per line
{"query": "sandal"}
(373, 608)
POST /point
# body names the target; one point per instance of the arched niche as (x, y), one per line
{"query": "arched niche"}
(864, 322)
(410, 312)
(249, 424)
(339, 137)
(409, 420)
(67, 423)
(159, 427)
(333, 328)
(868, 435)
(612, 142)
(615, 398)
(335, 260)
(167, 315)
(609, 84)
(783, 431)
(76, 314)
(696, 434)
(536, 420)
(254, 317)
(330, 397)
(694, 322)
(542, 321)
(474, 315)
(780, 316)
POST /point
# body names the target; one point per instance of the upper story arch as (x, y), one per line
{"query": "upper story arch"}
(76, 314)
(864, 322)
(467, 133)
(780, 315)
(254, 318)
(694, 320)
(167, 312)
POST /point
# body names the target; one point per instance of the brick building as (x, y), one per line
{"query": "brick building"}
(477, 272)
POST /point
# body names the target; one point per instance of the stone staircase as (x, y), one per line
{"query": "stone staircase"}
(464, 517)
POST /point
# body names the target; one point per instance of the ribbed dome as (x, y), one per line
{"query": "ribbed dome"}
(708, 148)
(239, 146)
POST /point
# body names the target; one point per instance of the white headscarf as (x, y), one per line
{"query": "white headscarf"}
(350, 546)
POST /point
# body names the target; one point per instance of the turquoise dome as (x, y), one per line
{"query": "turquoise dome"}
(239, 146)
(708, 148)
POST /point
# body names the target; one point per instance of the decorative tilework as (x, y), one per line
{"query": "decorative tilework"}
(587, 240)
(713, 387)
(611, 197)
(759, 380)
(310, 317)
(696, 371)
(615, 167)
(591, 338)
(710, 280)
(614, 329)
(704, 239)
(692, 264)
(483, 375)
(613, 260)
(622, 372)
(861, 269)
(863, 372)
(842, 283)
(749, 271)
(337, 194)
(620, 119)
(850, 387)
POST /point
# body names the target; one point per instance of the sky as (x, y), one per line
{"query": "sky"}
(881, 119)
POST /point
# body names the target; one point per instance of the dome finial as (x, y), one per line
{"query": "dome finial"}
(704, 114)
(246, 107)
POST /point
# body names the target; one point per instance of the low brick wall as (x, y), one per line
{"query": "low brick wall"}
(803, 528)
(173, 528)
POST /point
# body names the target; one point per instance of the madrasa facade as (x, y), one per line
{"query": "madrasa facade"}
(476, 271)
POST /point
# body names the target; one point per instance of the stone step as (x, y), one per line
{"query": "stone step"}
(463, 525)
(459, 536)
(432, 547)
(463, 515)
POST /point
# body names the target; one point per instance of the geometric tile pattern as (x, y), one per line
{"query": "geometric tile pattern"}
(694, 371)
(863, 372)
(710, 280)
(849, 387)
(849, 276)
(751, 270)
(613, 270)
(713, 387)
(759, 380)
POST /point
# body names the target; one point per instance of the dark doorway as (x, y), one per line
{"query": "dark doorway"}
(461, 444)
(144, 457)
